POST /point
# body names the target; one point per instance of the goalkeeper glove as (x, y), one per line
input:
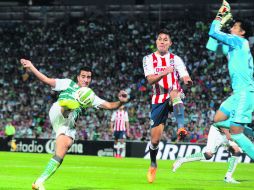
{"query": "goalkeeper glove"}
(226, 19)
(223, 11)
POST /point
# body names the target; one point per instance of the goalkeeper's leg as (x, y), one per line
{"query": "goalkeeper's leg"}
(63, 143)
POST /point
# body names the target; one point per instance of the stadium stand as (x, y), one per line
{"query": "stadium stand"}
(112, 40)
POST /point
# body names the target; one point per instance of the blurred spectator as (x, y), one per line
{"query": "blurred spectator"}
(10, 132)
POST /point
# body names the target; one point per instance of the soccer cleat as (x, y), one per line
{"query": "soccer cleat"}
(38, 186)
(177, 164)
(231, 180)
(118, 156)
(182, 133)
(151, 174)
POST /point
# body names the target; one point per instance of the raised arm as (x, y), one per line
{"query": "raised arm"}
(229, 39)
(28, 65)
(214, 46)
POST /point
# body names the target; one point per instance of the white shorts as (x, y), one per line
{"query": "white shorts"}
(59, 123)
(216, 139)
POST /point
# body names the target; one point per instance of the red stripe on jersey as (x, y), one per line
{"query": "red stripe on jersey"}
(157, 88)
(165, 78)
(116, 122)
(120, 121)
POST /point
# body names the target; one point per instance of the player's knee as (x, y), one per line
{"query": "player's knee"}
(237, 129)
(155, 142)
(234, 151)
(208, 155)
(236, 154)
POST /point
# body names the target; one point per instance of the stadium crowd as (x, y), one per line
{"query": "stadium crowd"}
(114, 50)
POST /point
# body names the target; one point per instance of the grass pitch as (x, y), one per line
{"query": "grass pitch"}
(19, 170)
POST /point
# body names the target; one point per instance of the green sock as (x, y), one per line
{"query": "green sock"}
(244, 143)
(194, 157)
(49, 170)
(233, 161)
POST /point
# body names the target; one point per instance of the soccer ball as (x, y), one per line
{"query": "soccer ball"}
(85, 96)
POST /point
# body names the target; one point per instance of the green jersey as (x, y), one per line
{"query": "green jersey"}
(68, 90)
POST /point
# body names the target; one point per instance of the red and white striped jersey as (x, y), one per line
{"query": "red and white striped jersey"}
(155, 64)
(119, 117)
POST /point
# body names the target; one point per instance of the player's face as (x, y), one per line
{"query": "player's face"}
(237, 30)
(163, 43)
(84, 79)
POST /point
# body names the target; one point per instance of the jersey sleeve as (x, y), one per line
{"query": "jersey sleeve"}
(113, 117)
(148, 65)
(126, 116)
(97, 102)
(62, 84)
(180, 67)
(214, 45)
(229, 39)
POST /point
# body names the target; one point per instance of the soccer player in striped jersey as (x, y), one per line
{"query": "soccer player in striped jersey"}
(161, 69)
(64, 113)
(120, 127)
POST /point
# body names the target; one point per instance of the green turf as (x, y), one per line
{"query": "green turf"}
(19, 170)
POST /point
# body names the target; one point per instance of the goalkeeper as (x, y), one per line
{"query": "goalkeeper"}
(64, 113)
(236, 111)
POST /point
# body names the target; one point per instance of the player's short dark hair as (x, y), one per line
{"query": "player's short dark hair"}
(85, 68)
(164, 31)
(246, 26)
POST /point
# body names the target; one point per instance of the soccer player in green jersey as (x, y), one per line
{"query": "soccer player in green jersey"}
(65, 111)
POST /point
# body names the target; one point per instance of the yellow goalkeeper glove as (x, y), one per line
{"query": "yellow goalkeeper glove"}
(223, 11)
(226, 19)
